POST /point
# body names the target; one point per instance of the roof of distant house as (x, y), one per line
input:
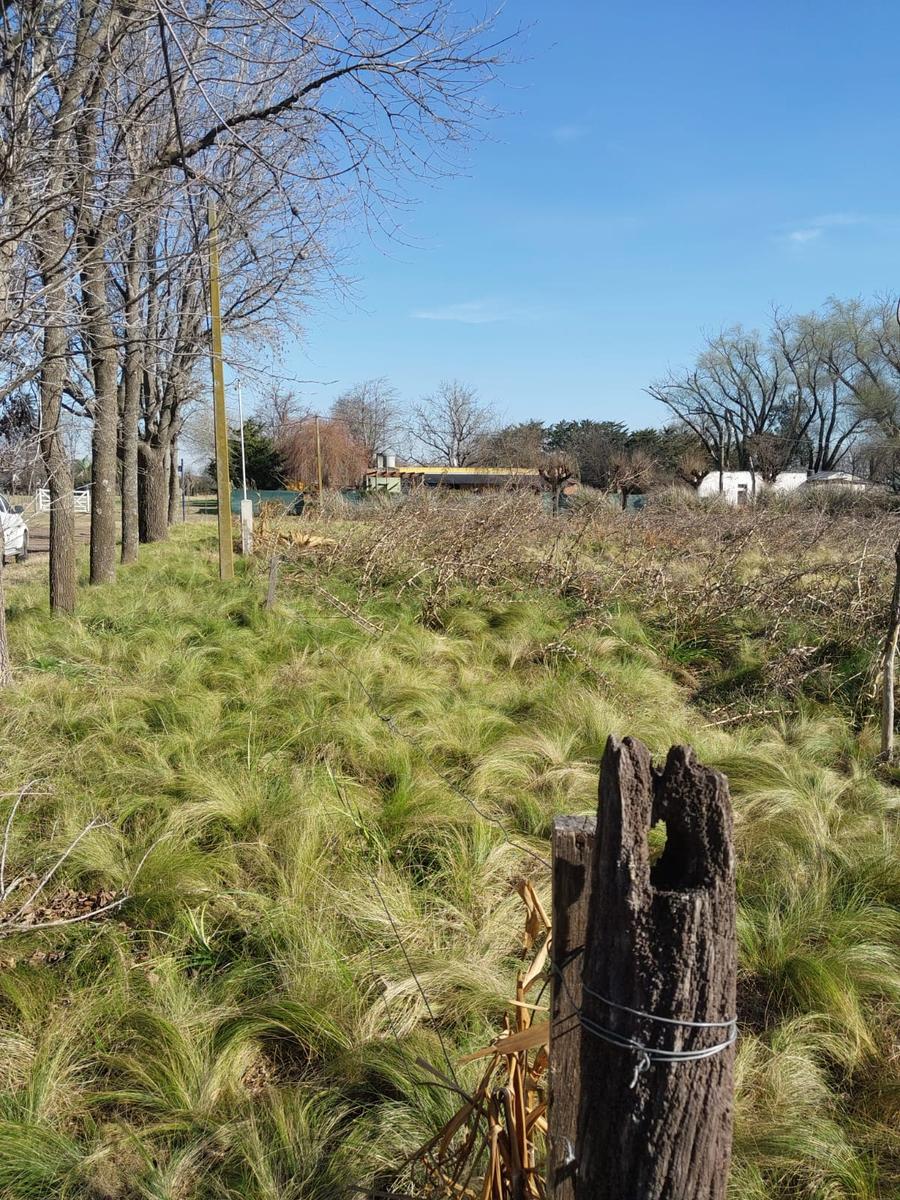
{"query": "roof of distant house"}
(438, 469)
(838, 477)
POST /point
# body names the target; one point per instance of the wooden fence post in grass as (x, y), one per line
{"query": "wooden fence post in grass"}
(654, 1077)
(274, 564)
(573, 846)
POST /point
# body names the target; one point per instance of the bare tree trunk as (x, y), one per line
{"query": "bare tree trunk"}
(153, 494)
(63, 577)
(131, 409)
(5, 665)
(890, 656)
(130, 416)
(63, 564)
(173, 484)
(104, 441)
(104, 493)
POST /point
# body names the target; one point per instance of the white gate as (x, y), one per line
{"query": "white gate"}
(81, 500)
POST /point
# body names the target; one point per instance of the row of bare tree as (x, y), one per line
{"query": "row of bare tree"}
(118, 119)
(817, 391)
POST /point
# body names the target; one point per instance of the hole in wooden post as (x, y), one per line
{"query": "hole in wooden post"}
(682, 866)
(656, 841)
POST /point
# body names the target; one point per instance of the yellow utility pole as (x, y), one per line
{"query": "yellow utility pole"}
(319, 462)
(223, 473)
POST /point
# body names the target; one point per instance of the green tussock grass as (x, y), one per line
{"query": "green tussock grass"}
(248, 1025)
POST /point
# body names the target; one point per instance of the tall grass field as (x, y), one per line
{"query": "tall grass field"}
(318, 813)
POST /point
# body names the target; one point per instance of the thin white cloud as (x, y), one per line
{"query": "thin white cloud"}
(476, 312)
(813, 230)
(801, 236)
(567, 133)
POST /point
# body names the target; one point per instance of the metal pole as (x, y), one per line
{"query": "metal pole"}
(246, 505)
(243, 453)
(319, 462)
(183, 493)
(223, 474)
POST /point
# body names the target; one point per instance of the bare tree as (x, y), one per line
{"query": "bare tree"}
(557, 469)
(370, 413)
(736, 395)
(452, 424)
(692, 466)
(114, 119)
(279, 409)
(632, 473)
(818, 352)
(802, 395)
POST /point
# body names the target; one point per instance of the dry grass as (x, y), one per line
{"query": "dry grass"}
(380, 755)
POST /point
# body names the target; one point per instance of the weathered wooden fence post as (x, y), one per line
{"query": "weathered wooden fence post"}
(274, 564)
(654, 1078)
(573, 846)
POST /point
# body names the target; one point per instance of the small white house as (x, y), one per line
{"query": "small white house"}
(735, 487)
(789, 481)
(739, 486)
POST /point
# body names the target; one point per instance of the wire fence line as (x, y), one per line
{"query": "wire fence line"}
(646, 1055)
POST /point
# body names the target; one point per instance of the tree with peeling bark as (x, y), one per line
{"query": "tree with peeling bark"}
(118, 119)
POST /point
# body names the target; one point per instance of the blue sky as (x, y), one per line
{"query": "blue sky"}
(660, 170)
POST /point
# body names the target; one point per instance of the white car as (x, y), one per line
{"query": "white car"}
(15, 531)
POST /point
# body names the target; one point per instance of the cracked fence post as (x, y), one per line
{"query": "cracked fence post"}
(659, 970)
(573, 847)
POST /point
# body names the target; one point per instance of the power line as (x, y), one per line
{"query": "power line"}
(186, 169)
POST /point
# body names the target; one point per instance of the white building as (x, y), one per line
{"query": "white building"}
(739, 487)
(789, 481)
(735, 487)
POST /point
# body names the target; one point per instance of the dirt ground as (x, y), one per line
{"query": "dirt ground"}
(39, 532)
(39, 539)
(39, 543)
